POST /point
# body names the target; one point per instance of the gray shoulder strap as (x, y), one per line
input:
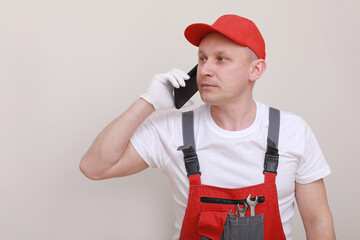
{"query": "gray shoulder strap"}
(189, 150)
(272, 156)
(188, 129)
(273, 132)
(190, 157)
(274, 127)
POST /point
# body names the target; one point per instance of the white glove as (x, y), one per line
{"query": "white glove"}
(160, 90)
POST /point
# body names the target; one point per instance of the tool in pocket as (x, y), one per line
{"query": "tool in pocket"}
(242, 210)
(252, 204)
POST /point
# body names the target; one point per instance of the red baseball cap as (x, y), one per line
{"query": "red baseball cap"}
(239, 29)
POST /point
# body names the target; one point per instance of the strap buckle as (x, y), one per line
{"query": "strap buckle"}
(271, 162)
(191, 160)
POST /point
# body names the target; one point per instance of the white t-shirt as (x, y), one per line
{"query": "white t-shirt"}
(232, 159)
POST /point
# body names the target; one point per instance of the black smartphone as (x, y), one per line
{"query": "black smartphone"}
(183, 94)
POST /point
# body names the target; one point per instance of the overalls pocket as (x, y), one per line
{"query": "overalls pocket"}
(217, 222)
(211, 224)
(243, 228)
(212, 227)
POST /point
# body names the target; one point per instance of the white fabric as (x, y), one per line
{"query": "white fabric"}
(232, 159)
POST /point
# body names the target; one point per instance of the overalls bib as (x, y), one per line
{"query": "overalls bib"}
(211, 212)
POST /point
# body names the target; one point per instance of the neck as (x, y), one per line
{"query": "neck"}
(234, 117)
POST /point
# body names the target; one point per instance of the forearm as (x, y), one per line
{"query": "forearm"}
(321, 228)
(314, 209)
(110, 144)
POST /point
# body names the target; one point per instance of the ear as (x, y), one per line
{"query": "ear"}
(257, 69)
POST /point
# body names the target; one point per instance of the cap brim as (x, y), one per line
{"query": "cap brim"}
(195, 32)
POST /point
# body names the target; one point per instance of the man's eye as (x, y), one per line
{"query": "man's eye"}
(221, 59)
(202, 59)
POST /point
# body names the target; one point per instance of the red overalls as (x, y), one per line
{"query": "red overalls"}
(207, 213)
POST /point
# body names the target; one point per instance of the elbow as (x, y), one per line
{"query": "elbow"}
(86, 170)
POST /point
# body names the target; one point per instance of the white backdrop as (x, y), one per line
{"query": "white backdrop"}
(68, 68)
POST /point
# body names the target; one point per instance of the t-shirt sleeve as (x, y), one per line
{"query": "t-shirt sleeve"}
(312, 165)
(148, 141)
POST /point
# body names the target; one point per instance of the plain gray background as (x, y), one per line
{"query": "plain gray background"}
(68, 68)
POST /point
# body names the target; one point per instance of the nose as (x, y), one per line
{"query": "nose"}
(205, 69)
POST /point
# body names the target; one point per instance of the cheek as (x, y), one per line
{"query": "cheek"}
(236, 77)
(236, 83)
(197, 75)
(198, 80)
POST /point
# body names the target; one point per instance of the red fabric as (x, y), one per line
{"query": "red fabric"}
(237, 28)
(210, 218)
(211, 224)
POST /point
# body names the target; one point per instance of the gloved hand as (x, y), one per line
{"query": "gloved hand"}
(160, 90)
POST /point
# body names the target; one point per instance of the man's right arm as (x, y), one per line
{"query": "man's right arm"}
(112, 154)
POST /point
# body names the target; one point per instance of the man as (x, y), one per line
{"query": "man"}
(230, 132)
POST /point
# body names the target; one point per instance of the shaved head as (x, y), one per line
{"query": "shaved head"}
(251, 55)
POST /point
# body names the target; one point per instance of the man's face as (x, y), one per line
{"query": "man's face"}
(223, 70)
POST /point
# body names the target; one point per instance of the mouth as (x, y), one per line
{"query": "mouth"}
(207, 85)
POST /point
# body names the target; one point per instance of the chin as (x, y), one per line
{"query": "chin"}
(209, 99)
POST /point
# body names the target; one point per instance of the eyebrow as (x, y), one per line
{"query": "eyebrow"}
(216, 52)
